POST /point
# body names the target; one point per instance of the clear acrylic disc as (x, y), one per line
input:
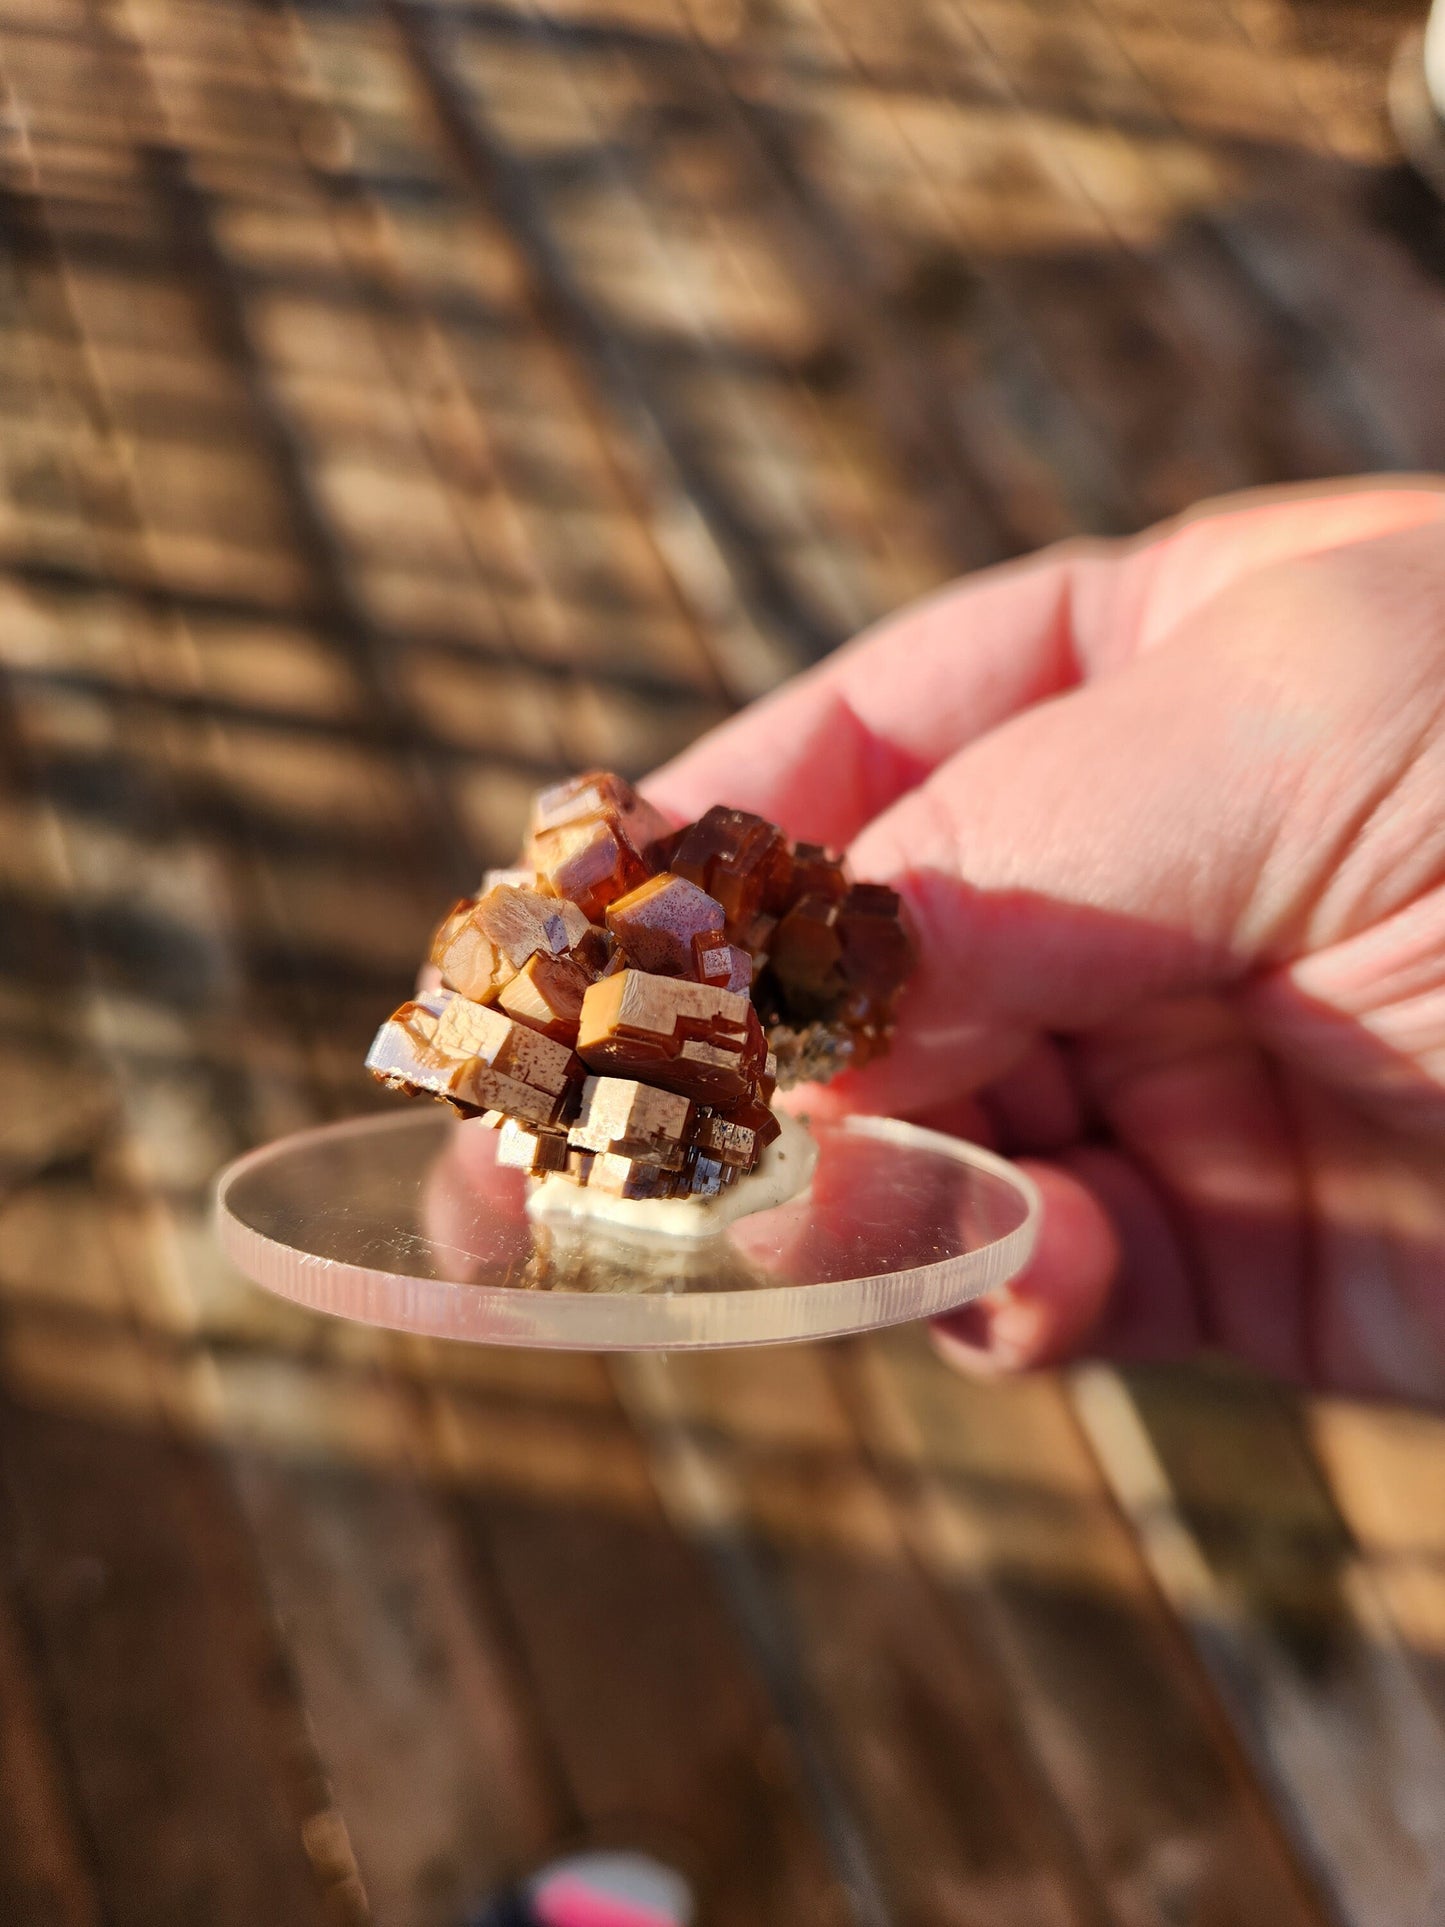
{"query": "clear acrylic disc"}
(407, 1221)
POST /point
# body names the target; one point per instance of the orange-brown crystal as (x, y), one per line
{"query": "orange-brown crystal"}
(623, 1002)
(704, 1043)
(547, 994)
(587, 839)
(742, 861)
(666, 924)
(482, 944)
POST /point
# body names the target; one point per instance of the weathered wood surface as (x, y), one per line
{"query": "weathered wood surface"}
(404, 400)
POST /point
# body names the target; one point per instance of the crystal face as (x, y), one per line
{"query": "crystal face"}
(486, 940)
(623, 1002)
(692, 1038)
(477, 1059)
(666, 925)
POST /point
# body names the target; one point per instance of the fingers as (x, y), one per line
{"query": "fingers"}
(1185, 825)
(1033, 1109)
(1189, 1095)
(1153, 1311)
(1369, 1013)
(1108, 1278)
(1035, 1106)
(1206, 1209)
(1102, 850)
(964, 1115)
(1377, 1203)
(832, 749)
(829, 751)
(1209, 549)
(1126, 1272)
(1049, 1310)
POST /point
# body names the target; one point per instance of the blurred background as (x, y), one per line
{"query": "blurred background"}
(401, 403)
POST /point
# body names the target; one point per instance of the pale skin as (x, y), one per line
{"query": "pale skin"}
(1169, 821)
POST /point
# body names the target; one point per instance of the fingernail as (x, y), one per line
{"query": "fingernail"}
(1019, 1329)
(992, 1335)
(968, 1339)
(969, 1325)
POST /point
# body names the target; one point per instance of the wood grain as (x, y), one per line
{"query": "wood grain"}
(401, 402)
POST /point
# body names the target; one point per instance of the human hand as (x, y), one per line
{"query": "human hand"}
(1169, 817)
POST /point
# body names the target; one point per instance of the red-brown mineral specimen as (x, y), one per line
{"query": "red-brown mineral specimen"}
(816, 873)
(483, 944)
(592, 863)
(877, 955)
(587, 840)
(476, 1059)
(519, 878)
(806, 956)
(727, 965)
(634, 1120)
(547, 993)
(627, 1177)
(835, 966)
(743, 862)
(598, 793)
(704, 1043)
(536, 1152)
(655, 1143)
(667, 925)
(680, 973)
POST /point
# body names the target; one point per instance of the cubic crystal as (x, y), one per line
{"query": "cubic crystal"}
(741, 860)
(620, 1114)
(704, 1043)
(727, 966)
(667, 925)
(536, 1152)
(475, 1058)
(622, 1003)
(587, 839)
(483, 944)
(598, 793)
(547, 994)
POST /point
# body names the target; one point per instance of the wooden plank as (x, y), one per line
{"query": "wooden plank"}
(423, 1738)
(437, 1834)
(1123, 307)
(995, 1758)
(1314, 416)
(438, 1798)
(463, 88)
(162, 1674)
(916, 1770)
(1231, 1512)
(400, 1693)
(523, 543)
(429, 1739)
(159, 1681)
(560, 455)
(45, 1877)
(657, 1723)
(1386, 1474)
(1012, 1521)
(1341, 282)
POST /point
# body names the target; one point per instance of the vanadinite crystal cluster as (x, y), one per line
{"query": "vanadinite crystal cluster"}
(622, 1005)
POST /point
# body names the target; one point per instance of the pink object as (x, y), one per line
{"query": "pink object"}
(571, 1902)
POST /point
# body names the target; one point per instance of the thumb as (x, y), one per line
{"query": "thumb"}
(1104, 848)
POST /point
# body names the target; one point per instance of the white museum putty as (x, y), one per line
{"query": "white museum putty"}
(783, 1172)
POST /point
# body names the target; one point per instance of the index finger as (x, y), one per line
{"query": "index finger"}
(832, 749)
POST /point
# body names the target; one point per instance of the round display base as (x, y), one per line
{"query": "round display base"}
(408, 1221)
